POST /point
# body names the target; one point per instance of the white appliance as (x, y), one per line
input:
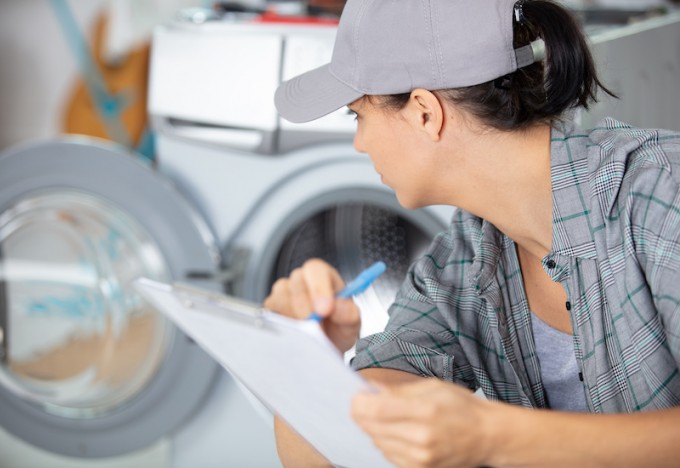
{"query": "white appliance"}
(239, 198)
(276, 193)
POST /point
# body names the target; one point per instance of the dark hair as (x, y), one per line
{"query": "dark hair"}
(538, 93)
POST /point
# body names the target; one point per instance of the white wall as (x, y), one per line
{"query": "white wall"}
(37, 70)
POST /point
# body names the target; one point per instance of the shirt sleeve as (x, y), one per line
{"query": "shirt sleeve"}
(662, 266)
(654, 206)
(417, 338)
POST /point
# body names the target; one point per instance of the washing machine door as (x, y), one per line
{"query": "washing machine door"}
(88, 368)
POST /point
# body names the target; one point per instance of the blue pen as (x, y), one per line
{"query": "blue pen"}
(357, 285)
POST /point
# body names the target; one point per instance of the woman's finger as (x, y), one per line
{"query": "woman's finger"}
(383, 407)
(345, 313)
(279, 299)
(342, 326)
(323, 282)
(301, 302)
(405, 432)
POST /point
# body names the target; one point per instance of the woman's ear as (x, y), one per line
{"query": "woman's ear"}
(425, 113)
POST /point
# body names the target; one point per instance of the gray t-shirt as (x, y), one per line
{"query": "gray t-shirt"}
(559, 370)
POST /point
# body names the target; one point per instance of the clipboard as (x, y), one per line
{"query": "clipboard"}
(290, 365)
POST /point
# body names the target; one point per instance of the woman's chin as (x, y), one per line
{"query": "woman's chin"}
(408, 203)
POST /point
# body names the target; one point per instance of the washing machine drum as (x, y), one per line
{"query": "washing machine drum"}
(351, 236)
(87, 368)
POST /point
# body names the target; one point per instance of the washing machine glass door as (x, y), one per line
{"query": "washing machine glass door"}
(78, 340)
(87, 367)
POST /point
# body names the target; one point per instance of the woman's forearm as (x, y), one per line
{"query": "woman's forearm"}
(552, 438)
(294, 451)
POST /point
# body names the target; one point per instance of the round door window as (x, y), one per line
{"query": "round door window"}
(75, 337)
(352, 236)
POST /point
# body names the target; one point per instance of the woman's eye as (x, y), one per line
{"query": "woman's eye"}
(351, 112)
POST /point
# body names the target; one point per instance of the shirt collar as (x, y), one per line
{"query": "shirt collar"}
(487, 246)
(571, 199)
(571, 202)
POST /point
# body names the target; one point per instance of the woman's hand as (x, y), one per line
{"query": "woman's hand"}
(312, 288)
(426, 424)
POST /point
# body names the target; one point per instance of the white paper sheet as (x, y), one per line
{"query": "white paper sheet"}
(289, 364)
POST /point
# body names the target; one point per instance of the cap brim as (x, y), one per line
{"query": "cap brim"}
(312, 95)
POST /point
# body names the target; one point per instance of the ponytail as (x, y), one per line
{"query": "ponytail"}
(570, 75)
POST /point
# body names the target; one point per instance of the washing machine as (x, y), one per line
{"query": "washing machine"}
(238, 198)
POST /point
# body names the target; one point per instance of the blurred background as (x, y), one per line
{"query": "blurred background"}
(41, 84)
(139, 138)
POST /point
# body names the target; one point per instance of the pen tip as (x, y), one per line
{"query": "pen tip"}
(378, 267)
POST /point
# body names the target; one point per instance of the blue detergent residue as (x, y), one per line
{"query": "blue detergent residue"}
(84, 303)
(80, 302)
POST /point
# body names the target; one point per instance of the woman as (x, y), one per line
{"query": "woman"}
(557, 284)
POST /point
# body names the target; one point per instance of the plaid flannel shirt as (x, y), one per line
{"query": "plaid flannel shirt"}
(462, 313)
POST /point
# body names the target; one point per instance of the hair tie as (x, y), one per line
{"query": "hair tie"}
(519, 11)
(503, 82)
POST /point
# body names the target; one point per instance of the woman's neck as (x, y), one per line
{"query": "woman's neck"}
(510, 185)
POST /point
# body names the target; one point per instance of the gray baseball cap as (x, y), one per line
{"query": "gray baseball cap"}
(394, 46)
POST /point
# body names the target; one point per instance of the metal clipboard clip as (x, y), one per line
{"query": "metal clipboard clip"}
(220, 305)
